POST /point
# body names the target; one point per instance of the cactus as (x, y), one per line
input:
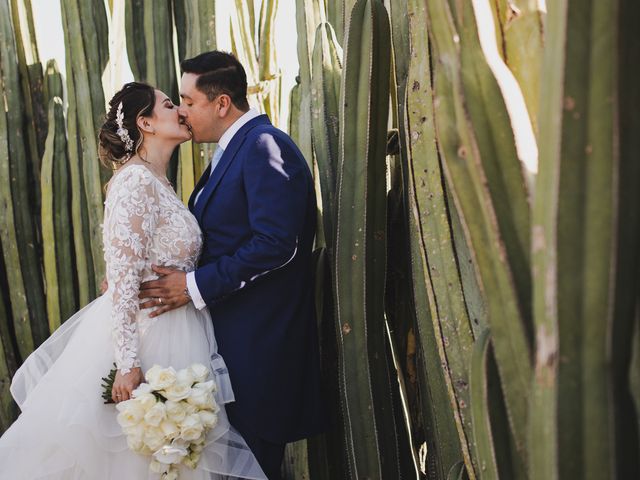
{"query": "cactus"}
(484, 452)
(325, 101)
(484, 224)
(85, 25)
(149, 33)
(360, 245)
(431, 242)
(577, 244)
(520, 33)
(58, 247)
(269, 73)
(452, 327)
(624, 354)
(31, 82)
(196, 31)
(8, 364)
(310, 14)
(195, 26)
(259, 59)
(335, 17)
(18, 230)
(634, 370)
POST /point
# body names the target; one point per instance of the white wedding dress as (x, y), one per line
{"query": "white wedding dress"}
(65, 430)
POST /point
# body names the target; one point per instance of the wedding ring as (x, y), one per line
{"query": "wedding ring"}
(160, 300)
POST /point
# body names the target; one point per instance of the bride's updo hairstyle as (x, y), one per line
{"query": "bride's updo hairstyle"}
(119, 137)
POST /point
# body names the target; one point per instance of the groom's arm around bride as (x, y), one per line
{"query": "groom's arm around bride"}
(256, 208)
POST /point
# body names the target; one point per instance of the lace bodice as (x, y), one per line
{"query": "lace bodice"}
(144, 223)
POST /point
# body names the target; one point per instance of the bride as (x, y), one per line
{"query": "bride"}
(65, 430)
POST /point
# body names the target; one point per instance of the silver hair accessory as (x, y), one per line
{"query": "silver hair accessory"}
(122, 132)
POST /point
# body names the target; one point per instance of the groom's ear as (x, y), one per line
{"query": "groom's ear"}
(224, 104)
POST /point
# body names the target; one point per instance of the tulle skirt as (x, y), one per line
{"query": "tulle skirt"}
(65, 430)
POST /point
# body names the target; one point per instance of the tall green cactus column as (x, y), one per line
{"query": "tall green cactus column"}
(360, 253)
(56, 216)
(481, 165)
(579, 245)
(626, 377)
(8, 363)
(86, 41)
(149, 32)
(445, 333)
(269, 74)
(18, 229)
(325, 101)
(520, 25)
(309, 14)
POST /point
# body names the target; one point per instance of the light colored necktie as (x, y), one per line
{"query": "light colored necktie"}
(217, 155)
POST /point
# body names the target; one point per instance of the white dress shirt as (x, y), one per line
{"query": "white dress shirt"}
(223, 143)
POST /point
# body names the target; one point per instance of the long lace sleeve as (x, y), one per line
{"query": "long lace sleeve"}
(131, 216)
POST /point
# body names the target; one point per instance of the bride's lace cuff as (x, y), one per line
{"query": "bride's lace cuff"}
(131, 216)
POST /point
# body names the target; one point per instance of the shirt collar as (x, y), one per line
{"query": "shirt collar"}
(227, 136)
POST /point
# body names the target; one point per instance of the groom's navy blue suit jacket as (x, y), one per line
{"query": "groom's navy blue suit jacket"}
(257, 212)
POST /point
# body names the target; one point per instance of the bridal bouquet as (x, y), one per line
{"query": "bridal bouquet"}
(168, 417)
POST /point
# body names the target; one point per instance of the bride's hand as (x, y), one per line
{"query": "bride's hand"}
(123, 385)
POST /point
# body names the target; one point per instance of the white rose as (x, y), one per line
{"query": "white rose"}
(142, 389)
(202, 398)
(168, 454)
(191, 428)
(178, 391)
(185, 376)
(146, 401)
(156, 414)
(160, 378)
(176, 411)
(169, 428)
(209, 386)
(135, 444)
(131, 413)
(199, 371)
(157, 467)
(154, 438)
(208, 419)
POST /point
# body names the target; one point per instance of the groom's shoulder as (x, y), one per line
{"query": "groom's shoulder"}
(267, 135)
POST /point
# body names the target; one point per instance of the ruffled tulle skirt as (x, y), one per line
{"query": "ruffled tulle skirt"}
(65, 430)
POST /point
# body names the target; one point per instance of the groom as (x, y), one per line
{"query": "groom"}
(256, 206)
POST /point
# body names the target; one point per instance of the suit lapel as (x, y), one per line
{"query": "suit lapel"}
(203, 179)
(226, 159)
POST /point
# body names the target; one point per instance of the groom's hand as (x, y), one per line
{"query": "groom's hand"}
(167, 292)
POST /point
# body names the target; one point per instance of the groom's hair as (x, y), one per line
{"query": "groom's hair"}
(219, 72)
